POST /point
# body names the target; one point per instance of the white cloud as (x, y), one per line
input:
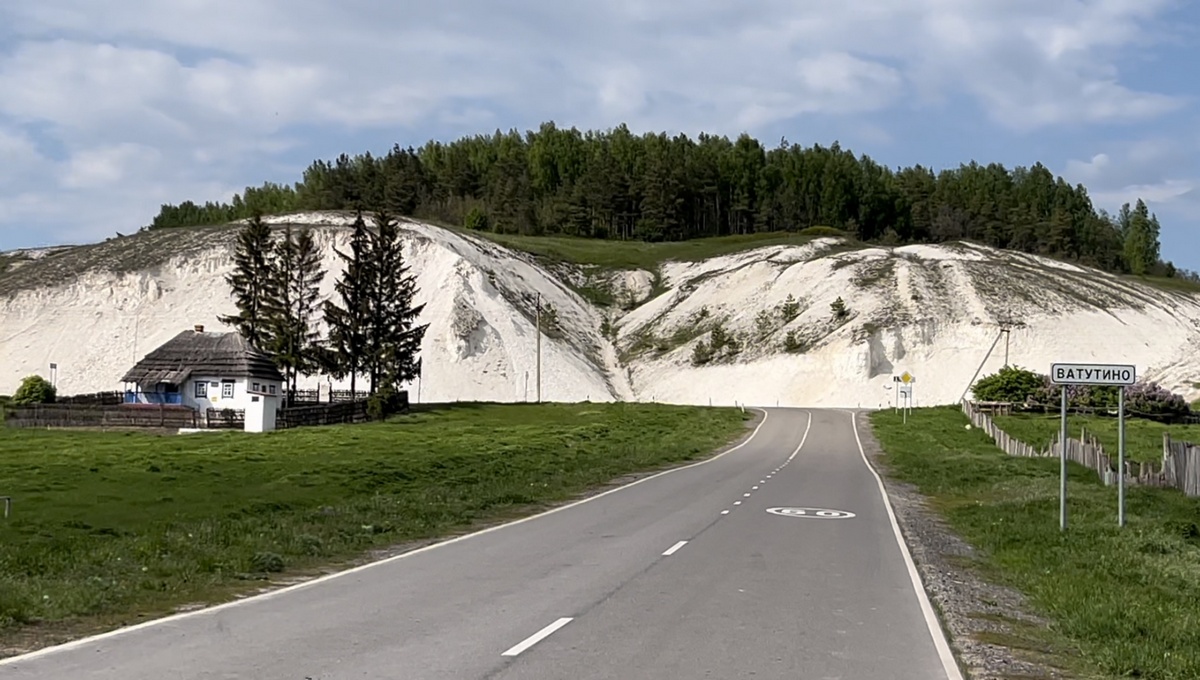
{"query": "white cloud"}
(194, 96)
(1160, 170)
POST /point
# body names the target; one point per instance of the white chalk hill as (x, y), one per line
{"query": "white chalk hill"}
(931, 310)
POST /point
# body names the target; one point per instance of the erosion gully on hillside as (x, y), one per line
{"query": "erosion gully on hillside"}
(731, 320)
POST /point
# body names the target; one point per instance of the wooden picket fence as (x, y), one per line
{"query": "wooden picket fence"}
(1179, 469)
(108, 416)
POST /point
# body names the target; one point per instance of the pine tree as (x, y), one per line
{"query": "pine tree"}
(348, 322)
(250, 282)
(393, 341)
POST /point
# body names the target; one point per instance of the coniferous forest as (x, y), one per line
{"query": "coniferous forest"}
(654, 187)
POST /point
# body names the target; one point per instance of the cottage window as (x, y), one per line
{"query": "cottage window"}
(201, 389)
(227, 390)
(255, 388)
(272, 389)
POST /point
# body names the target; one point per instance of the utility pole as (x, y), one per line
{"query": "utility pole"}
(1006, 331)
(538, 323)
(1007, 323)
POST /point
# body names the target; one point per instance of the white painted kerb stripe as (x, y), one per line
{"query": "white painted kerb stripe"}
(537, 637)
(672, 549)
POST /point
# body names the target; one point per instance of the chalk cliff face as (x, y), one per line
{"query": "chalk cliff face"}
(762, 318)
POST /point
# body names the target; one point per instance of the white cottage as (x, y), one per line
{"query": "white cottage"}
(209, 370)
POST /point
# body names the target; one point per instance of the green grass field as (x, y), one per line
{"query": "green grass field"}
(107, 526)
(1143, 438)
(1124, 603)
(611, 254)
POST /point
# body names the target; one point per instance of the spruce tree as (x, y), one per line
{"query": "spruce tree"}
(293, 304)
(394, 341)
(250, 281)
(1141, 240)
(348, 321)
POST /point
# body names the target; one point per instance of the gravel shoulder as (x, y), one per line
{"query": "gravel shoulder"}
(988, 624)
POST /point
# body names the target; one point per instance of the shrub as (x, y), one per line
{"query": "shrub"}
(476, 219)
(34, 389)
(1144, 398)
(721, 344)
(792, 344)
(790, 309)
(385, 402)
(1153, 399)
(1011, 383)
(764, 323)
(838, 307)
(266, 562)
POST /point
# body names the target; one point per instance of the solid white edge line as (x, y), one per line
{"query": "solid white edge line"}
(537, 637)
(803, 439)
(671, 551)
(363, 567)
(949, 664)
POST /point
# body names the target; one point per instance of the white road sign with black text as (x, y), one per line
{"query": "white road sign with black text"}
(1092, 374)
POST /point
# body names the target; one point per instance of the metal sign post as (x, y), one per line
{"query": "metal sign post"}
(904, 392)
(1121, 456)
(1110, 375)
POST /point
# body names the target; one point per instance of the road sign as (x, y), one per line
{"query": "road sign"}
(1108, 375)
(811, 513)
(906, 391)
(1092, 374)
(906, 377)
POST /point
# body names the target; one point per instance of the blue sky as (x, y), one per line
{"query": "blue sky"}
(110, 108)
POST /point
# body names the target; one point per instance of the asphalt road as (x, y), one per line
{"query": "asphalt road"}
(683, 575)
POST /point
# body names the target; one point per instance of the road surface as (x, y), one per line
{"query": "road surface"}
(701, 572)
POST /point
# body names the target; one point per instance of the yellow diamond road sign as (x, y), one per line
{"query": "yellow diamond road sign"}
(906, 377)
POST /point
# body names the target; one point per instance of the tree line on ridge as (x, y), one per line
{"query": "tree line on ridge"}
(654, 187)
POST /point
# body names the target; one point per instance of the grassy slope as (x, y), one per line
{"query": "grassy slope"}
(609, 254)
(108, 525)
(1143, 438)
(1124, 603)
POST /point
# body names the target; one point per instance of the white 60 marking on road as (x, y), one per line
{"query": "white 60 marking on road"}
(812, 513)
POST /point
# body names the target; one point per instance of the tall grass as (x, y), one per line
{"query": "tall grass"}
(1143, 438)
(1123, 602)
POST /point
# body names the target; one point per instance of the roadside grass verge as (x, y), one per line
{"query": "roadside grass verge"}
(1122, 603)
(1143, 438)
(108, 527)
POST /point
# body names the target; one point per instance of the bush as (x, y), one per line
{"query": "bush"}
(385, 402)
(792, 344)
(1149, 399)
(721, 344)
(266, 562)
(838, 307)
(789, 310)
(1011, 384)
(34, 389)
(1152, 399)
(476, 219)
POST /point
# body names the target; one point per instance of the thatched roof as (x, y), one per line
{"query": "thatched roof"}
(194, 352)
